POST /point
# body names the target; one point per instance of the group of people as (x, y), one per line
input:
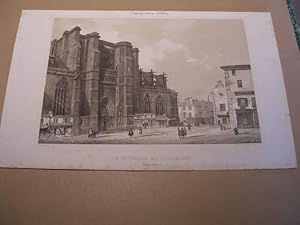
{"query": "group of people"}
(222, 126)
(92, 133)
(182, 132)
(131, 132)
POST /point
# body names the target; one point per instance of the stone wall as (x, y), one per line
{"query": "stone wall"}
(167, 97)
(124, 87)
(67, 49)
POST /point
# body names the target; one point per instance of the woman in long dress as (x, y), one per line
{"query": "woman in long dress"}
(130, 132)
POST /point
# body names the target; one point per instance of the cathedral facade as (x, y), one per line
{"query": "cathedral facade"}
(95, 84)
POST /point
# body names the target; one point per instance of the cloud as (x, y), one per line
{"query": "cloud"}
(158, 51)
(149, 54)
(191, 60)
(208, 66)
(189, 51)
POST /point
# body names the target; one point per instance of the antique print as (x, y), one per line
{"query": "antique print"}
(149, 81)
(146, 90)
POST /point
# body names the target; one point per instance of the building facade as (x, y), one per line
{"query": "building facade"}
(195, 112)
(220, 106)
(95, 84)
(240, 109)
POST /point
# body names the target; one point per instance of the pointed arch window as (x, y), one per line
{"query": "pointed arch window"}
(147, 104)
(159, 106)
(59, 103)
(173, 106)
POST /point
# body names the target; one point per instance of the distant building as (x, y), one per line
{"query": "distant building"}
(238, 95)
(195, 112)
(220, 106)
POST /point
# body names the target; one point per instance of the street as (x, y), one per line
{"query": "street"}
(166, 135)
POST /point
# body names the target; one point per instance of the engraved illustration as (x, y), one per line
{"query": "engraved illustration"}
(149, 81)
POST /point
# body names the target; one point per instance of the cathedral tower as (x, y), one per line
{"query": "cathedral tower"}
(124, 87)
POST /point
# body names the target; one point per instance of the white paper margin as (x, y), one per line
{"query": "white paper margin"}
(24, 96)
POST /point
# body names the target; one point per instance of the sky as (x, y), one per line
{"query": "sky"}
(190, 51)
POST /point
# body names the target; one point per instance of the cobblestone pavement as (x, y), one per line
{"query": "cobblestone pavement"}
(168, 135)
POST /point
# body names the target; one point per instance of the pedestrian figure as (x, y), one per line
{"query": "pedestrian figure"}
(91, 133)
(189, 127)
(130, 132)
(236, 131)
(179, 132)
(182, 132)
(185, 133)
(140, 130)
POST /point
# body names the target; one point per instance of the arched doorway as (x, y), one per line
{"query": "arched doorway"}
(106, 114)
